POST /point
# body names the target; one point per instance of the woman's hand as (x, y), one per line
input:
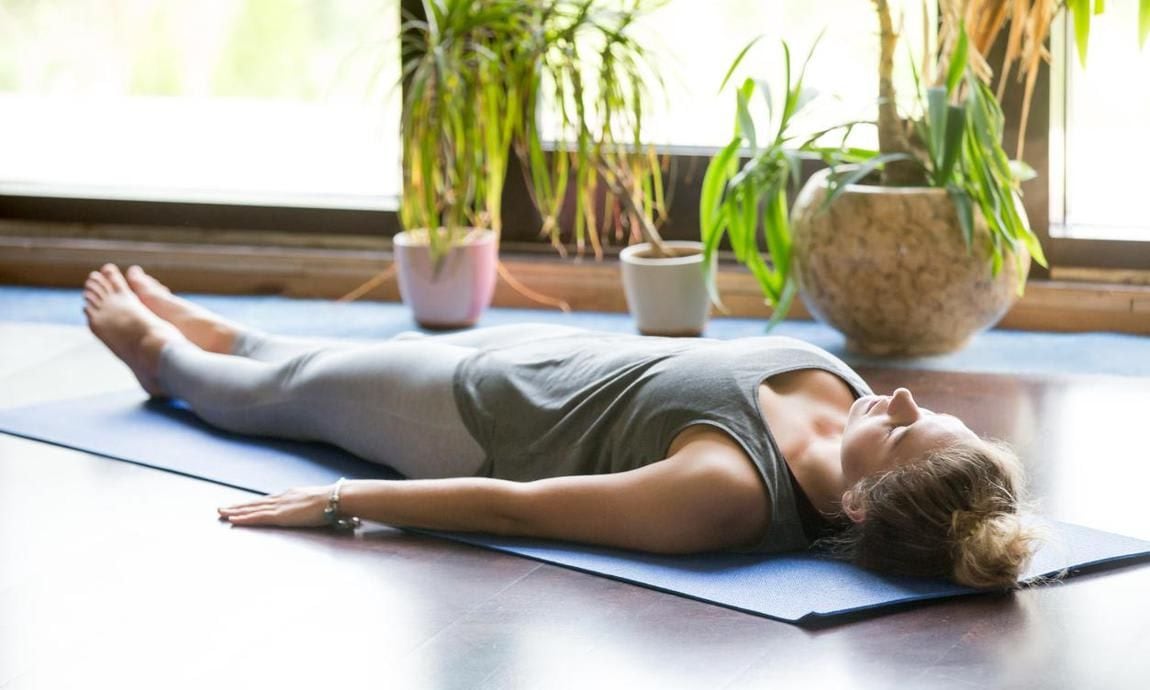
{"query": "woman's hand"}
(301, 507)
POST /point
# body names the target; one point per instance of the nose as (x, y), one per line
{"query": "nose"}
(903, 408)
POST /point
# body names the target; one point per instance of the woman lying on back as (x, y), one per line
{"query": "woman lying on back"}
(664, 445)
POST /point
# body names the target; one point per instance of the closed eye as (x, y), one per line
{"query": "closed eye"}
(901, 436)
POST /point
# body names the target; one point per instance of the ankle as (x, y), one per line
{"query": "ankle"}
(221, 339)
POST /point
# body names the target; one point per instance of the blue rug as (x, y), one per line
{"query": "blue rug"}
(996, 351)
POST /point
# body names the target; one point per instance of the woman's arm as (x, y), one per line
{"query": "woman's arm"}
(705, 497)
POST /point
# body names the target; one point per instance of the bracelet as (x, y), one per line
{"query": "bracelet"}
(331, 512)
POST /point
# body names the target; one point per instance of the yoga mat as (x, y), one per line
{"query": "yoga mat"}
(797, 588)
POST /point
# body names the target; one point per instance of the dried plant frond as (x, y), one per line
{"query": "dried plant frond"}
(1027, 23)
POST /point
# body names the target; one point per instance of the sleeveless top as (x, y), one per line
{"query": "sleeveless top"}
(595, 403)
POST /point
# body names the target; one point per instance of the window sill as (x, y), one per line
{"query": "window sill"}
(332, 266)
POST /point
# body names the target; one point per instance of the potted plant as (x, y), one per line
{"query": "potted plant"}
(664, 281)
(745, 199)
(600, 82)
(927, 243)
(477, 73)
(461, 110)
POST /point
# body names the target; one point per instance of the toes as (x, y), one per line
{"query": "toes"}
(92, 299)
(115, 278)
(140, 281)
(97, 284)
(136, 277)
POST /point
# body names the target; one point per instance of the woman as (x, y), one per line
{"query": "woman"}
(654, 444)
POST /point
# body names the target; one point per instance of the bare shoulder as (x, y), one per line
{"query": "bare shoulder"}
(731, 475)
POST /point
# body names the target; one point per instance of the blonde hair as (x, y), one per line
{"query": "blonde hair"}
(954, 513)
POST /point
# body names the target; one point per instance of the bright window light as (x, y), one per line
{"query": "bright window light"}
(287, 102)
(694, 42)
(1100, 130)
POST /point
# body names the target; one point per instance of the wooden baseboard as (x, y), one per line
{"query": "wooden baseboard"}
(586, 285)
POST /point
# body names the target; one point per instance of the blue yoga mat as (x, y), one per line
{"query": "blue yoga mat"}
(797, 588)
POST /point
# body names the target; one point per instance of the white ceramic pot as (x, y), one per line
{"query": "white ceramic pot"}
(463, 288)
(666, 296)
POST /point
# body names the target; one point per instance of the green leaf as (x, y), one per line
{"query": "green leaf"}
(768, 96)
(746, 124)
(1021, 171)
(965, 211)
(738, 59)
(1143, 22)
(936, 127)
(776, 226)
(952, 143)
(1081, 11)
(719, 170)
(806, 95)
(957, 61)
(783, 304)
(837, 183)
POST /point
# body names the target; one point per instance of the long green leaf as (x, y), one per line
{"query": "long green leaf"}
(836, 183)
(935, 136)
(957, 62)
(1081, 11)
(715, 179)
(965, 211)
(738, 59)
(952, 143)
(746, 124)
(782, 305)
(1143, 22)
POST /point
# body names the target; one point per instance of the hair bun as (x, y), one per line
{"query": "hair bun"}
(990, 548)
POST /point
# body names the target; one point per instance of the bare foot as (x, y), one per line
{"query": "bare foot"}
(130, 331)
(204, 328)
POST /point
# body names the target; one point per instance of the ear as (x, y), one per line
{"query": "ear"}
(851, 507)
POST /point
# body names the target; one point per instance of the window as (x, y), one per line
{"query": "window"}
(1102, 121)
(288, 105)
(275, 102)
(1099, 137)
(693, 42)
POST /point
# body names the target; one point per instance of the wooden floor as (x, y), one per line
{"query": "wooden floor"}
(113, 575)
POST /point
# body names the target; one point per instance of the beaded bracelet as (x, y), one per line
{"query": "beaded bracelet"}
(331, 512)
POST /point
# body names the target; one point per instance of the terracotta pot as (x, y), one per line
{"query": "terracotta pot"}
(666, 296)
(455, 297)
(888, 267)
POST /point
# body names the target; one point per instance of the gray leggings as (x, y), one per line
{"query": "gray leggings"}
(390, 402)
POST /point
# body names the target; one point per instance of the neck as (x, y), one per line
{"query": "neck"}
(819, 472)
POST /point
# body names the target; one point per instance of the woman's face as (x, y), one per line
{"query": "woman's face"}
(885, 431)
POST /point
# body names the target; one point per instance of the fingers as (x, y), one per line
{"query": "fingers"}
(258, 513)
(256, 517)
(293, 508)
(247, 508)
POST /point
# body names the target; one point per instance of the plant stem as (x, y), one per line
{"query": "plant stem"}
(650, 232)
(892, 136)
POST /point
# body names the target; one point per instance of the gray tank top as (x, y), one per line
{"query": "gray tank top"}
(596, 403)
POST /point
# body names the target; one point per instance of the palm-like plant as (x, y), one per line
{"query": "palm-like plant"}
(477, 74)
(461, 112)
(598, 79)
(955, 142)
(743, 200)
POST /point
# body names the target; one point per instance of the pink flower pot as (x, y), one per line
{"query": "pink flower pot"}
(457, 296)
